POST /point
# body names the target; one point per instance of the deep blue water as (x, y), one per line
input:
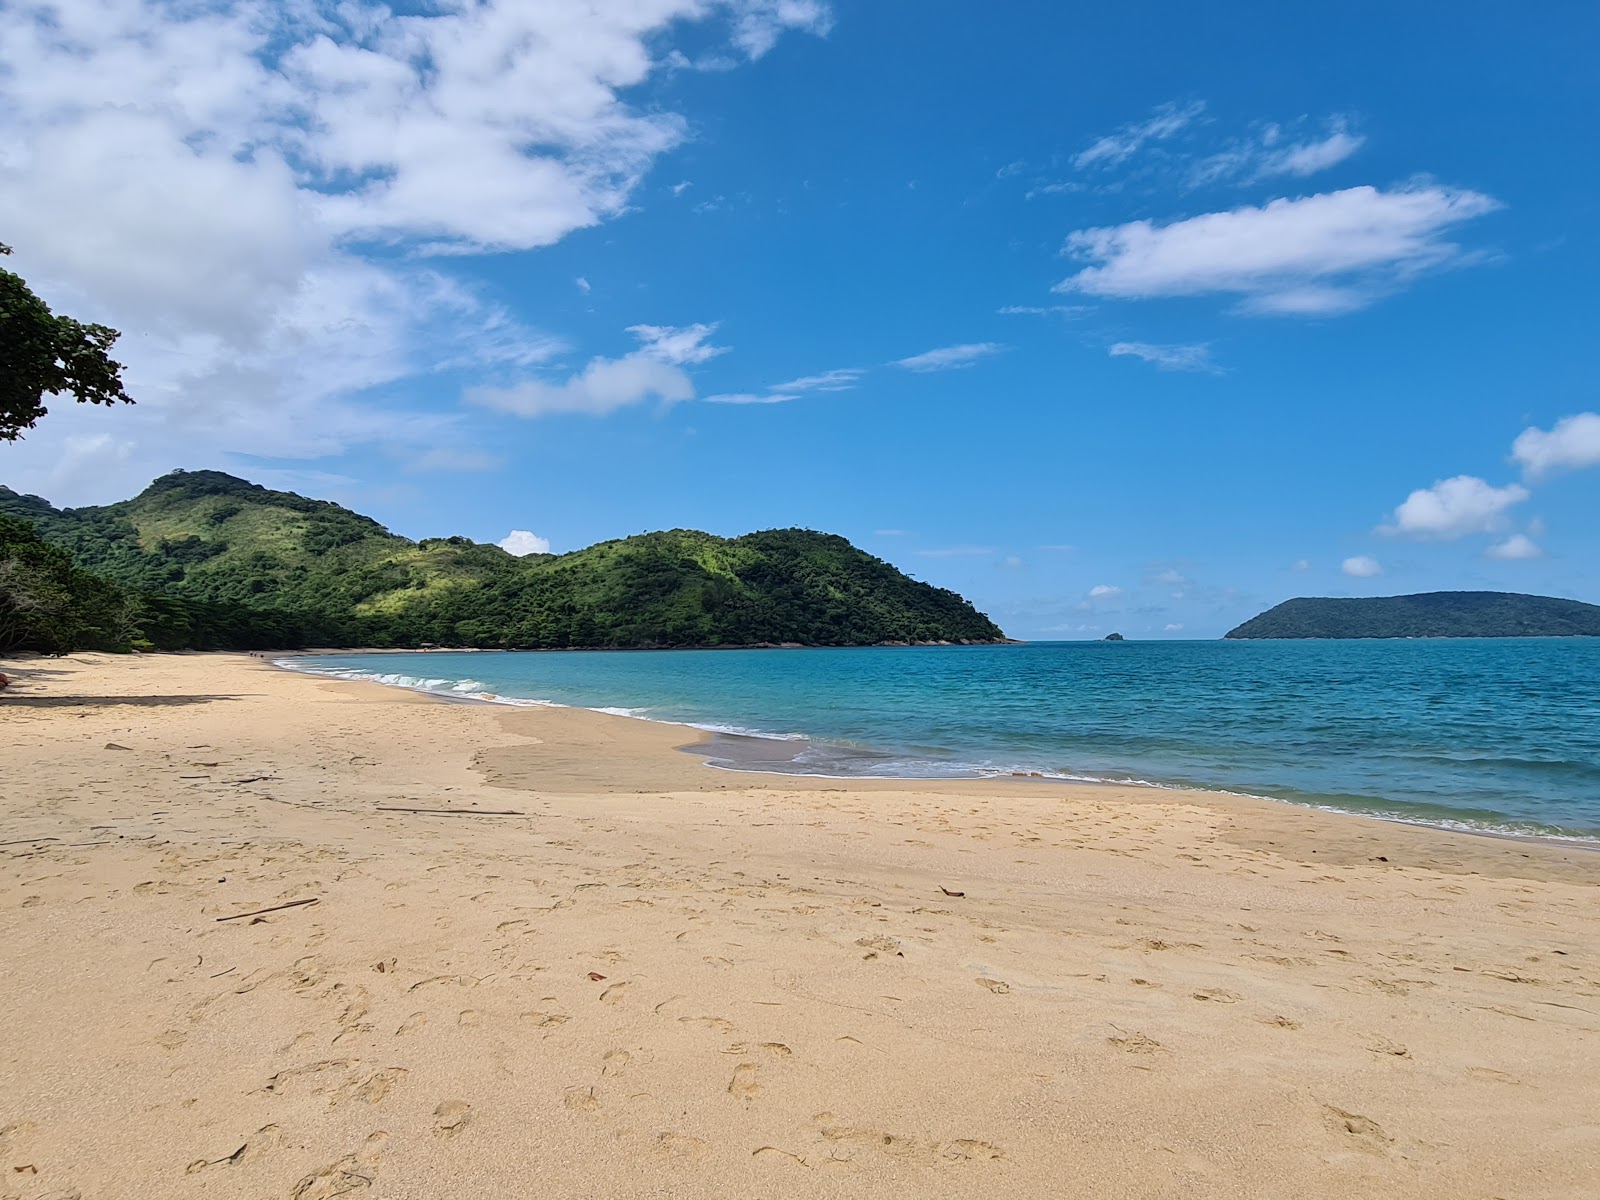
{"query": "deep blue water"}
(1492, 734)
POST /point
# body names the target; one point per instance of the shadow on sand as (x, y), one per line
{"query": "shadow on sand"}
(25, 701)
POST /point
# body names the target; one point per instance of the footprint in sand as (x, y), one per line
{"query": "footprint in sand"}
(995, 986)
(1135, 1042)
(613, 994)
(411, 1024)
(469, 1018)
(580, 1099)
(351, 1173)
(451, 1117)
(681, 1147)
(615, 1062)
(1364, 1131)
(719, 1024)
(375, 1089)
(744, 1083)
(546, 1020)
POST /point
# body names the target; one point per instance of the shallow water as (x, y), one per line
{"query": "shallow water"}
(1488, 734)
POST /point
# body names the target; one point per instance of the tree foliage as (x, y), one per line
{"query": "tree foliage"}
(216, 562)
(1426, 615)
(44, 354)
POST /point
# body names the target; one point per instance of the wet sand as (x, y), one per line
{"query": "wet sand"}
(645, 977)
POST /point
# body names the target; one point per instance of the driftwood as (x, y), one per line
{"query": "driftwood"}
(457, 812)
(274, 908)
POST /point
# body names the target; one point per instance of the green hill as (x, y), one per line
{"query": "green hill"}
(1429, 614)
(217, 561)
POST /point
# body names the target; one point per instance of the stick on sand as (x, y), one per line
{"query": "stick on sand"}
(274, 908)
(458, 812)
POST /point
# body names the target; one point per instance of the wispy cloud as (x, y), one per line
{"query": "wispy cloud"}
(957, 552)
(1043, 310)
(1362, 566)
(1272, 153)
(1195, 357)
(445, 458)
(841, 379)
(1116, 148)
(949, 358)
(1315, 255)
(1104, 591)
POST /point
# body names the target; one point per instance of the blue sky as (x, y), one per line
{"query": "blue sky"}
(1137, 318)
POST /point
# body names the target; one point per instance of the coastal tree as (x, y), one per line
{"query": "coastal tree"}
(44, 354)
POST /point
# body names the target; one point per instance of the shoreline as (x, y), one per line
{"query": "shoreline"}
(706, 736)
(280, 935)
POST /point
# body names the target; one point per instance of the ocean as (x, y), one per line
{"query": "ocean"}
(1492, 735)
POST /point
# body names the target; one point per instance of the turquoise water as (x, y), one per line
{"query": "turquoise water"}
(1490, 734)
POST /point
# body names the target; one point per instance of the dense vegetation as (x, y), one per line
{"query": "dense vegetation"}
(206, 560)
(44, 353)
(1430, 614)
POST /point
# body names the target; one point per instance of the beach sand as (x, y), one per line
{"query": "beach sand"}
(652, 978)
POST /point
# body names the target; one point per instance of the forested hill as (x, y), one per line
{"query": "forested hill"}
(210, 560)
(1429, 614)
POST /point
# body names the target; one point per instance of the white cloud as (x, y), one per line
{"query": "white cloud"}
(1013, 562)
(948, 358)
(1572, 443)
(680, 188)
(1517, 546)
(1059, 547)
(957, 552)
(1104, 591)
(1320, 254)
(522, 543)
(1361, 567)
(1173, 628)
(655, 370)
(1118, 147)
(244, 189)
(1300, 565)
(1453, 508)
(583, 285)
(1195, 357)
(1168, 577)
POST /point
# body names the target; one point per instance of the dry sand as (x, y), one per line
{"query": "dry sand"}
(658, 979)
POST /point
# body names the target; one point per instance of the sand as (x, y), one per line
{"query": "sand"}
(654, 978)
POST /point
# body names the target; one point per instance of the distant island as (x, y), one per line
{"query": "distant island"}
(1113, 637)
(1425, 615)
(205, 560)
